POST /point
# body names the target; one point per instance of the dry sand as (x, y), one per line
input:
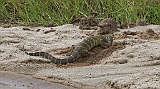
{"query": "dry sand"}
(133, 62)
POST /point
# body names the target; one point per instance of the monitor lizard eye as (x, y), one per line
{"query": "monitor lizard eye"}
(109, 39)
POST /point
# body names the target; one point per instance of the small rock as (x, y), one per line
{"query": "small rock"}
(26, 29)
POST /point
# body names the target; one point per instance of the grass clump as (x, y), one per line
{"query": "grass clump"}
(58, 12)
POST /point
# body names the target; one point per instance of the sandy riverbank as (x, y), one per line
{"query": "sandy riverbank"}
(132, 62)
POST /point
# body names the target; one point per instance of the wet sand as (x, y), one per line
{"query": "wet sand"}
(12, 80)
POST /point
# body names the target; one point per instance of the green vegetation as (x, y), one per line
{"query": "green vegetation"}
(58, 12)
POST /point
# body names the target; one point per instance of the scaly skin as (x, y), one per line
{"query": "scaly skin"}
(82, 50)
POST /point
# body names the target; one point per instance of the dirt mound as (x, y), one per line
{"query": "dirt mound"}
(88, 23)
(146, 35)
(149, 34)
(96, 55)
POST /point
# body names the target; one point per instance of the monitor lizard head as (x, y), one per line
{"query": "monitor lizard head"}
(106, 41)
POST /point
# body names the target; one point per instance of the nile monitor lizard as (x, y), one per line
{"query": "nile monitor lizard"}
(82, 50)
